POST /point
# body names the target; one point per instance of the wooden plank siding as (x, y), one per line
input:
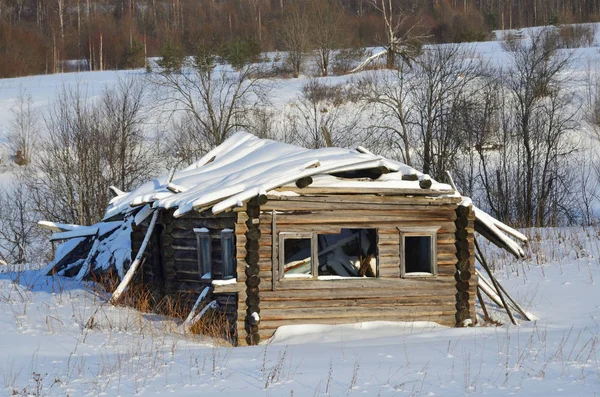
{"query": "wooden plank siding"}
(387, 297)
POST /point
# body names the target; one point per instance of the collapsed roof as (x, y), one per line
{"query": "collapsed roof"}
(241, 168)
(245, 166)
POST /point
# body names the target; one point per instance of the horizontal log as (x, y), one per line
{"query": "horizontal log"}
(275, 318)
(366, 282)
(375, 303)
(311, 204)
(364, 293)
(356, 191)
(384, 226)
(405, 213)
(189, 224)
(368, 198)
(389, 272)
(229, 288)
(446, 320)
(373, 218)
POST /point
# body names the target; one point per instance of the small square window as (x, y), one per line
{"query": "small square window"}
(296, 255)
(418, 254)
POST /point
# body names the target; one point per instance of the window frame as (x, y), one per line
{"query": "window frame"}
(418, 231)
(228, 273)
(313, 254)
(282, 236)
(203, 237)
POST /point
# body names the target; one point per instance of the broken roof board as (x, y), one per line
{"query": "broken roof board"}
(245, 166)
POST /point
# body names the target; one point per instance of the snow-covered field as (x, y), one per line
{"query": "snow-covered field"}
(58, 337)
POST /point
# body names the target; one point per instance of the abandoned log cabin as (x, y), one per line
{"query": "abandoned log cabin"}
(272, 234)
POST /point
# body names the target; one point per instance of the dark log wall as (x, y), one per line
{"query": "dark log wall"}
(466, 280)
(387, 297)
(171, 265)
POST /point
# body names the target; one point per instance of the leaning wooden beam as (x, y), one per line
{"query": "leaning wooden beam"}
(513, 303)
(136, 263)
(212, 305)
(486, 315)
(206, 293)
(489, 290)
(85, 267)
(56, 226)
(489, 272)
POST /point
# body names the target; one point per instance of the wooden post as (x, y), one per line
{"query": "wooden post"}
(251, 322)
(274, 258)
(463, 266)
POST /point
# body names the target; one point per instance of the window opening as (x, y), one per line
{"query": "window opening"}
(204, 247)
(350, 253)
(297, 256)
(418, 251)
(417, 254)
(227, 253)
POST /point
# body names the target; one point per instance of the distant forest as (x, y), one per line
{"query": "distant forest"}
(38, 36)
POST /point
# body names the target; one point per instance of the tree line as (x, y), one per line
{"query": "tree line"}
(48, 36)
(510, 135)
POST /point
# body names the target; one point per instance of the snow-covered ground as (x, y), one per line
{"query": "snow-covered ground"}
(59, 337)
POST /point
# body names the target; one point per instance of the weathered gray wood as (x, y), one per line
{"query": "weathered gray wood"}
(354, 190)
(133, 268)
(356, 314)
(489, 272)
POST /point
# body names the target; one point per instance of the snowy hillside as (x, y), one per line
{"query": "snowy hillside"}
(57, 337)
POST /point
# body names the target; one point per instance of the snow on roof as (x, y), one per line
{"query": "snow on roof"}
(245, 166)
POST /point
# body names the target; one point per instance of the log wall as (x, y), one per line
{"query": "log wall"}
(171, 265)
(387, 297)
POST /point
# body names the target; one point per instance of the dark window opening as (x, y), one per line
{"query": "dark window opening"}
(350, 253)
(227, 253)
(297, 256)
(418, 254)
(204, 247)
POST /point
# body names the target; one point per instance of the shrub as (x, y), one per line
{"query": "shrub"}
(241, 52)
(171, 57)
(134, 56)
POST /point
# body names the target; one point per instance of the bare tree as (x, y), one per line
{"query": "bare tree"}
(213, 99)
(389, 92)
(320, 117)
(88, 147)
(295, 35)
(403, 40)
(22, 134)
(19, 235)
(539, 104)
(123, 110)
(328, 31)
(441, 86)
(68, 185)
